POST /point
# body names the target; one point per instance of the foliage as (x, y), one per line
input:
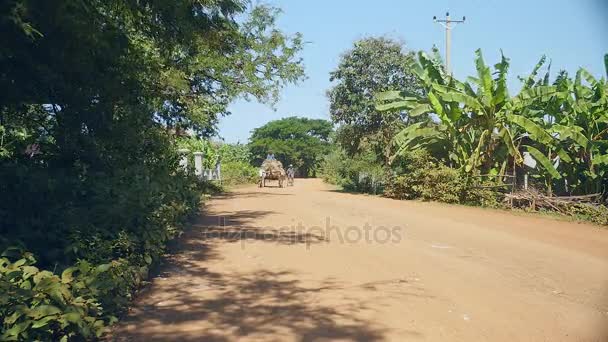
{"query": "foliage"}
(475, 126)
(420, 176)
(39, 305)
(235, 159)
(195, 144)
(236, 164)
(235, 153)
(298, 141)
(239, 172)
(591, 213)
(333, 165)
(372, 65)
(95, 97)
(361, 173)
(187, 60)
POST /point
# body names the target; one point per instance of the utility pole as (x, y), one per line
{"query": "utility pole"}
(448, 36)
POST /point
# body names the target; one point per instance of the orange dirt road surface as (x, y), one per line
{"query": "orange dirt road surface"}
(309, 263)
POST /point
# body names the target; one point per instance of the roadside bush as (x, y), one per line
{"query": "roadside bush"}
(333, 166)
(238, 172)
(597, 214)
(437, 183)
(420, 176)
(38, 305)
(482, 196)
(92, 234)
(234, 153)
(361, 173)
(75, 304)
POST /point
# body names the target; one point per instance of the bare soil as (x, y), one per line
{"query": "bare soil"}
(309, 263)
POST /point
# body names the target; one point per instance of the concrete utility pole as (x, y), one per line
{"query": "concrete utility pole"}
(448, 36)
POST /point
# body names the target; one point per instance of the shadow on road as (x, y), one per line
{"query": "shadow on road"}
(239, 226)
(234, 306)
(352, 192)
(250, 194)
(188, 302)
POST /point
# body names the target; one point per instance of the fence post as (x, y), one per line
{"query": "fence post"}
(218, 170)
(183, 161)
(198, 163)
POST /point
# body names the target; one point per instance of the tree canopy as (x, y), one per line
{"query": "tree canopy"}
(94, 84)
(93, 96)
(373, 65)
(177, 62)
(298, 141)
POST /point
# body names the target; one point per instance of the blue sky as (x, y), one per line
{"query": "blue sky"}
(572, 33)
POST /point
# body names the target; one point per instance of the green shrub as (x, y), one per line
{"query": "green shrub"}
(485, 197)
(361, 173)
(38, 305)
(239, 172)
(437, 183)
(105, 227)
(76, 304)
(420, 176)
(234, 153)
(82, 299)
(597, 214)
(333, 167)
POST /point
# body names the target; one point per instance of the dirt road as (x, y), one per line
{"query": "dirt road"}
(308, 263)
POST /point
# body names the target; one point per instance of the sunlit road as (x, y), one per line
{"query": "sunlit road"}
(308, 263)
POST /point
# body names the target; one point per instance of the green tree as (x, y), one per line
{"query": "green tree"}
(94, 94)
(103, 86)
(373, 65)
(298, 141)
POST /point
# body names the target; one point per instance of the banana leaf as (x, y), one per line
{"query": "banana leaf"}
(528, 96)
(415, 133)
(469, 101)
(485, 77)
(529, 82)
(502, 92)
(536, 132)
(563, 155)
(588, 77)
(506, 136)
(547, 75)
(544, 161)
(432, 70)
(398, 105)
(573, 133)
(390, 95)
(474, 158)
(438, 109)
(468, 89)
(420, 109)
(600, 159)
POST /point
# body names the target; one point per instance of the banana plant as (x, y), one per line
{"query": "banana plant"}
(472, 118)
(479, 128)
(582, 128)
(569, 131)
